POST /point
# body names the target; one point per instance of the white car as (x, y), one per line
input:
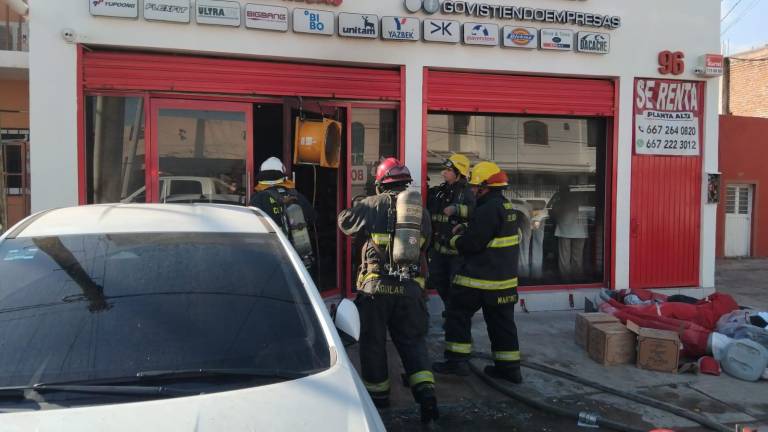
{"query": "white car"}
(169, 317)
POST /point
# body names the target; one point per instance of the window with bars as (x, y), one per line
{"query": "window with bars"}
(737, 200)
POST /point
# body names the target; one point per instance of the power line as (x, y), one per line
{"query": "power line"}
(729, 12)
(743, 14)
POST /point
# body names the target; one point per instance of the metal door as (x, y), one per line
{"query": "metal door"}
(738, 220)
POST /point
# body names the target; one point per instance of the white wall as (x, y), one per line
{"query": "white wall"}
(648, 27)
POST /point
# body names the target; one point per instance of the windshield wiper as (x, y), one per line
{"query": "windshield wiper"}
(22, 391)
(280, 374)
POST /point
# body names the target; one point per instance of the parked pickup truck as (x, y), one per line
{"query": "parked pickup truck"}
(189, 189)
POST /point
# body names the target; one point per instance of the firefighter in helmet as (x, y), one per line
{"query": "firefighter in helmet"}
(487, 279)
(387, 300)
(275, 194)
(449, 204)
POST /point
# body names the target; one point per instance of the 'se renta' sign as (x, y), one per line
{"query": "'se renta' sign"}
(668, 117)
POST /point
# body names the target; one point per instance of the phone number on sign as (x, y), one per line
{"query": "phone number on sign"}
(671, 130)
(671, 144)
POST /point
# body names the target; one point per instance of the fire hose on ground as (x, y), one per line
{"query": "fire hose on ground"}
(590, 418)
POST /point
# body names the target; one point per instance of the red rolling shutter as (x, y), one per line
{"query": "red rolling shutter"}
(494, 93)
(182, 73)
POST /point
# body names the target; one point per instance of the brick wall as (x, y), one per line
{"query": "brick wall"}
(747, 84)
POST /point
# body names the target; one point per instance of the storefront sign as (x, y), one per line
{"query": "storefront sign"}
(265, 17)
(556, 39)
(114, 8)
(313, 21)
(441, 31)
(481, 34)
(218, 12)
(668, 117)
(520, 37)
(710, 65)
(400, 28)
(167, 10)
(549, 16)
(594, 43)
(359, 25)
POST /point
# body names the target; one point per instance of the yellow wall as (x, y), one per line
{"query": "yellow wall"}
(14, 96)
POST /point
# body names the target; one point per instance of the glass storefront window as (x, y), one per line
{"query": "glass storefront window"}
(374, 137)
(115, 149)
(556, 168)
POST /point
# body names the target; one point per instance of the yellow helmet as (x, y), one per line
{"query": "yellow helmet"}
(488, 174)
(459, 162)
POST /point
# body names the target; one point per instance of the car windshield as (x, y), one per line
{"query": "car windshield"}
(86, 307)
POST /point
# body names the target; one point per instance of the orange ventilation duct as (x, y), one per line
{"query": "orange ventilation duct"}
(318, 142)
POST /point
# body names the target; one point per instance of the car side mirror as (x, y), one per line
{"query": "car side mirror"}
(347, 321)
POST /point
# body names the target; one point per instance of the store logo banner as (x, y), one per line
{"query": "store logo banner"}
(481, 34)
(557, 39)
(520, 37)
(594, 43)
(313, 22)
(114, 8)
(167, 10)
(441, 31)
(400, 28)
(265, 17)
(218, 12)
(358, 25)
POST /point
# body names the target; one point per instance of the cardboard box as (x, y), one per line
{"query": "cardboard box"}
(586, 320)
(611, 344)
(657, 350)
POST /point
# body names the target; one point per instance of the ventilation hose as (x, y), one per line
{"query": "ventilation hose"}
(680, 412)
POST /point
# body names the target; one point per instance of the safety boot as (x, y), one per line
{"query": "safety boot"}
(511, 374)
(425, 396)
(452, 367)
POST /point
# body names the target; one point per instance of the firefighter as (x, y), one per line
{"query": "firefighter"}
(450, 204)
(386, 300)
(274, 195)
(487, 279)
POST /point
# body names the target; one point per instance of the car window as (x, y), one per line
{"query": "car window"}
(221, 188)
(101, 306)
(186, 187)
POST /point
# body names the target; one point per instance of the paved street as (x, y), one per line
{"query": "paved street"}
(547, 338)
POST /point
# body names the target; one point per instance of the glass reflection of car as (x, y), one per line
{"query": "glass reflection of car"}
(130, 317)
(191, 189)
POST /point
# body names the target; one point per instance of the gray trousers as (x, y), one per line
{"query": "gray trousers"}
(571, 258)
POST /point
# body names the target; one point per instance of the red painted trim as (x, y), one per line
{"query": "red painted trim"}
(424, 131)
(401, 145)
(82, 185)
(614, 184)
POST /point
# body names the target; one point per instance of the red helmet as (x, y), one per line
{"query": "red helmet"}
(391, 170)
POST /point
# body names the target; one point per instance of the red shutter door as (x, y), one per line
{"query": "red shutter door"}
(493, 93)
(665, 224)
(181, 73)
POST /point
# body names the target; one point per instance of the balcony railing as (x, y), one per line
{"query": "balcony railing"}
(14, 30)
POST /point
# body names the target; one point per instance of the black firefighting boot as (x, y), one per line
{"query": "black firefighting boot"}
(511, 374)
(451, 366)
(425, 396)
(380, 399)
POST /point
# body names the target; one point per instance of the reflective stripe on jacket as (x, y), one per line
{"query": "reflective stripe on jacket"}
(490, 245)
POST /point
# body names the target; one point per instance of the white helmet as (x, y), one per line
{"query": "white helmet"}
(272, 171)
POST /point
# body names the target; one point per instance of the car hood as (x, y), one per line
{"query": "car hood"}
(334, 400)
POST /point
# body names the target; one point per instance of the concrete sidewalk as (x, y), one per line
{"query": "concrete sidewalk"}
(547, 338)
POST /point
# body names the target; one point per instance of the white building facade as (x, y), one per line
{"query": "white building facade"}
(600, 100)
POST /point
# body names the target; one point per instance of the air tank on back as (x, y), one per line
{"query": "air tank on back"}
(406, 248)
